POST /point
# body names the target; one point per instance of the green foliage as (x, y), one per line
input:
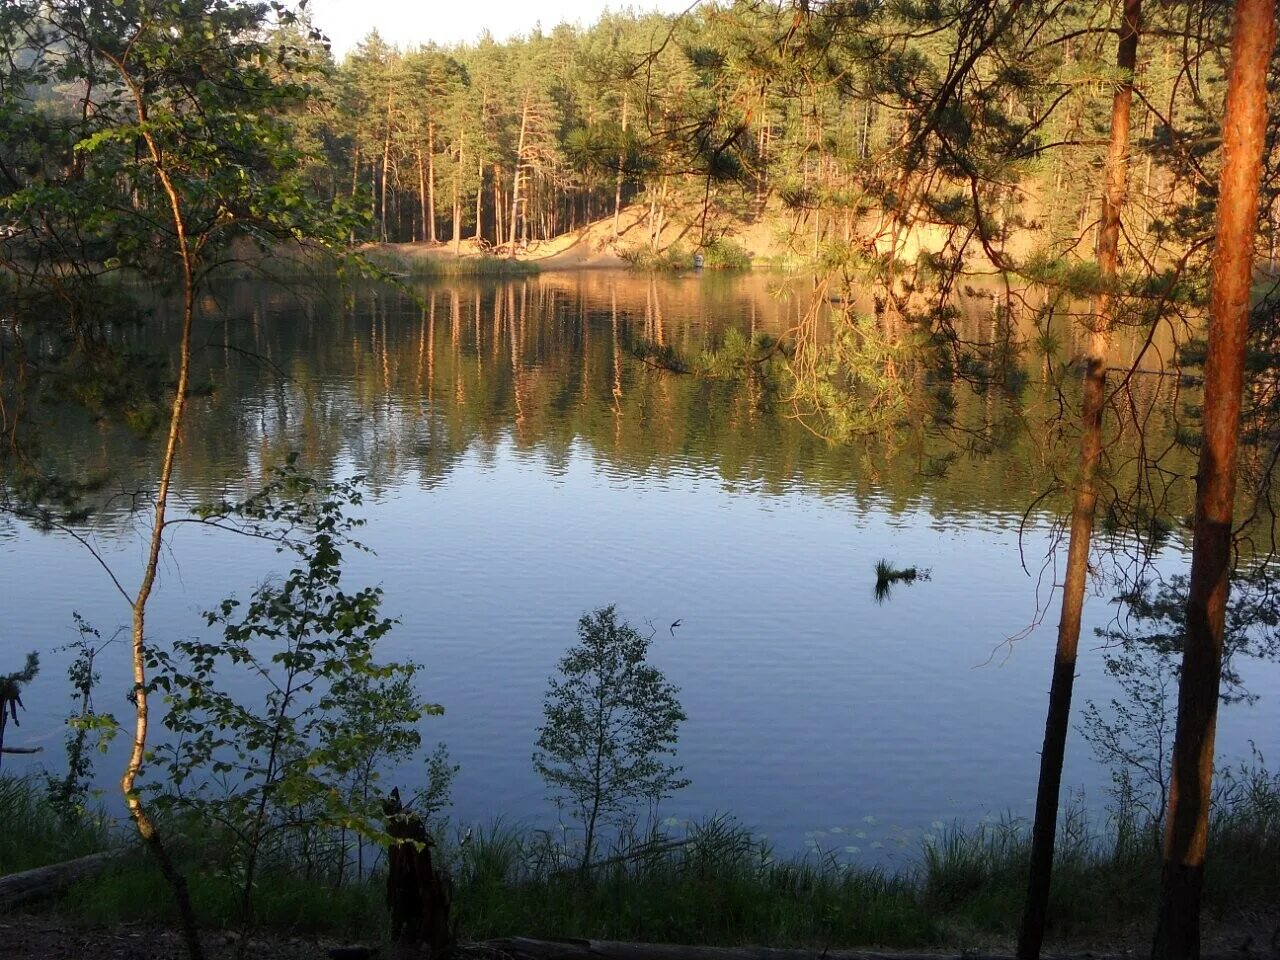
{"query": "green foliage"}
(69, 793)
(610, 721)
(125, 159)
(859, 381)
(301, 765)
(722, 254)
(674, 259)
(760, 357)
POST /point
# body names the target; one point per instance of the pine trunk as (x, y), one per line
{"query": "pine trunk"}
(1058, 719)
(1244, 130)
(355, 165)
(515, 182)
(479, 195)
(457, 196)
(386, 167)
(617, 185)
(431, 180)
(422, 194)
(497, 206)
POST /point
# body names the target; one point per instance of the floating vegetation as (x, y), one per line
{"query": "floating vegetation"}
(887, 575)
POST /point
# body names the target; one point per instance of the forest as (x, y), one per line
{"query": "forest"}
(1101, 177)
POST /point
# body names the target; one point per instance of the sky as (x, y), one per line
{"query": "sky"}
(408, 23)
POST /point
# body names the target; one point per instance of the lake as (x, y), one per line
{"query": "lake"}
(524, 466)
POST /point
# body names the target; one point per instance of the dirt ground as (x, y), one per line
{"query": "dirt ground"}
(1251, 936)
(41, 938)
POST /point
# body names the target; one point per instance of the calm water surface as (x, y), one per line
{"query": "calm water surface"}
(524, 467)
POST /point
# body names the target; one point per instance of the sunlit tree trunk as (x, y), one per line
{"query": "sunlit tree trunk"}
(1058, 718)
(1244, 129)
(617, 184)
(515, 182)
(355, 175)
(355, 164)
(457, 194)
(497, 205)
(422, 193)
(431, 181)
(386, 169)
(479, 195)
(186, 256)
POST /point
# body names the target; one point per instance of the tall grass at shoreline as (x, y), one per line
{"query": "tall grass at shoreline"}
(427, 267)
(32, 833)
(716, 883)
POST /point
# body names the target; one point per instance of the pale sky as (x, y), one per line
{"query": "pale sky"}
(407, 23)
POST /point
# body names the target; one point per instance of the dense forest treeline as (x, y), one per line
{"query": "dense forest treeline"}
(713, 116)
(822, 112)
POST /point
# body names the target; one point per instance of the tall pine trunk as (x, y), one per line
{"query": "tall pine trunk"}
(457, 195)
(386, 167)
(617, 184)
(479, 195)
(497, 206)
(355, 164)
(422, 193)
(1058, 719)
(431, 180)
(1244, 129)
(515, 182)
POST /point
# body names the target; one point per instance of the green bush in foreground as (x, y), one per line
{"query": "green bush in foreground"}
(715, 884)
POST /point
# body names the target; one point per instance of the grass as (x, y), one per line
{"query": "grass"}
(33, 834)
(716, 883)
(887, 575)
(720, 254)
(426, 267)
(720, 885)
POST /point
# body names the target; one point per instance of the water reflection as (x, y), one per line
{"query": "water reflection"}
(526, 466)
(403, 386)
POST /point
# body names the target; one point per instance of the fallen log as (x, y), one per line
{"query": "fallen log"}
(526, 948)
(17, 889)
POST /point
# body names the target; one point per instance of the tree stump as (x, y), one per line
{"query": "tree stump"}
(418, 895)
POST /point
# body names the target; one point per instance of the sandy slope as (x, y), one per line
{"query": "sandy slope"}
(774, 235)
